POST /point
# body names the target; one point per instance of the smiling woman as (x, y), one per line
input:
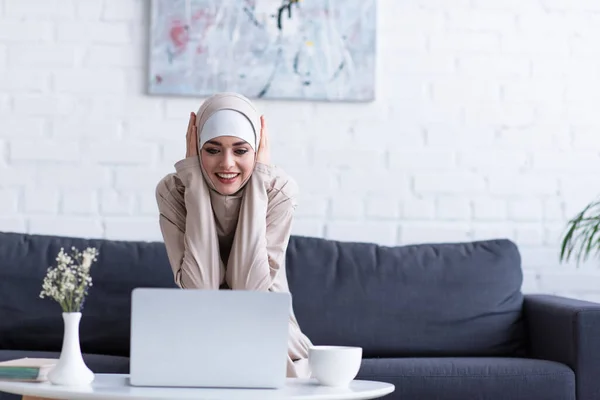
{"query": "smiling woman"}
(226, 214)
(228, 163)
(228, 146)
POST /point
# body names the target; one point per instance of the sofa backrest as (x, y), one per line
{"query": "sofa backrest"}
(431, 299)
(417, 300)
(30, 323)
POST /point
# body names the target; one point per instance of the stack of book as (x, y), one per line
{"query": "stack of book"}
(27, 369)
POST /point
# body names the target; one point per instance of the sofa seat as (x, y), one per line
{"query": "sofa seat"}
(473, 378)
(101, 364)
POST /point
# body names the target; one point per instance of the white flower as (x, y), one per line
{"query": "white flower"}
(67, 283)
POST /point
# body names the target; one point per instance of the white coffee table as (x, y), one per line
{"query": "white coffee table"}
(116, 387)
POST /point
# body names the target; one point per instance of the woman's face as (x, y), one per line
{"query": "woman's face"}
(228, 162)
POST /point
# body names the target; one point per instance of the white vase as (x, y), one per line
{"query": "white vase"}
(71, 369)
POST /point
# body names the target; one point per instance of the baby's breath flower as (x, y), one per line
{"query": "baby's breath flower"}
(68, 282)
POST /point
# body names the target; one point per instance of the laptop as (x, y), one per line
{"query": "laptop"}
(209, 338)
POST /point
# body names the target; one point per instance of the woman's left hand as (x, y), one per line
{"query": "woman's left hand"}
(264, 155)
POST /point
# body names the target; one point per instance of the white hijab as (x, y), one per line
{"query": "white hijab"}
(227, 122)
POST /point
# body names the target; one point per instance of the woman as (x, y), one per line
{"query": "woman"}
(226, 214)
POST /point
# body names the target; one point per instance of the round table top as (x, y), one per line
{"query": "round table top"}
(116, 386)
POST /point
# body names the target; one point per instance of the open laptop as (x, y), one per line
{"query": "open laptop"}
(209, 338)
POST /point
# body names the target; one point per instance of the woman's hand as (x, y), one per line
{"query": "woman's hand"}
(191, 138)
(264, 155)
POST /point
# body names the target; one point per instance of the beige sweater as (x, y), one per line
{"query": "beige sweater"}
(249, 230)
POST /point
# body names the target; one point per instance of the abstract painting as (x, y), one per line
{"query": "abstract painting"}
(272, 49)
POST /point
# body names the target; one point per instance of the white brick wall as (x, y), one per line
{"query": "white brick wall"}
(485, 125)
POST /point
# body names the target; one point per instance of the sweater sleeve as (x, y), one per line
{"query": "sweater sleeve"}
(183, 204)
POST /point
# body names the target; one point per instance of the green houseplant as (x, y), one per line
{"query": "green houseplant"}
(582, 236)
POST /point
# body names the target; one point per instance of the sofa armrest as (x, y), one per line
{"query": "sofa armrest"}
(566, 330)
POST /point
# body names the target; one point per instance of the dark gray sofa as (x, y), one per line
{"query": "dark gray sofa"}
(440, 321)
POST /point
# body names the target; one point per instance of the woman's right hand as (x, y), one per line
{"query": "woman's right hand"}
(191, 138)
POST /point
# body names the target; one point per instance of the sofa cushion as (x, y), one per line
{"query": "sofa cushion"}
(99, 364)
(472, 378)
(452, 299)
(28, 322)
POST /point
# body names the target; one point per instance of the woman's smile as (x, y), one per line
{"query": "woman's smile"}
(227, 178)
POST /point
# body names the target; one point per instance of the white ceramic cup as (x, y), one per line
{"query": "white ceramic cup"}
(334, 365)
